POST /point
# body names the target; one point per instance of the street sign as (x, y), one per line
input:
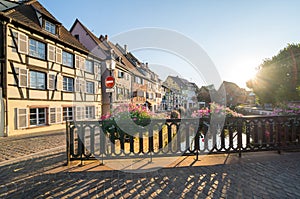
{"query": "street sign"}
(110, 90)
(110, 82)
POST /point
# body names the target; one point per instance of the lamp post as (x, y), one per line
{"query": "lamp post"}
(110, 65)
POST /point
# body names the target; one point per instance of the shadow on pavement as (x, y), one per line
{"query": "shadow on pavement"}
(275, 178)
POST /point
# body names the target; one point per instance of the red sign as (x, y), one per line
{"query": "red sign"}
(110, 82)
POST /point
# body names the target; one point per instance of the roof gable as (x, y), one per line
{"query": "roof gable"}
(27, 15)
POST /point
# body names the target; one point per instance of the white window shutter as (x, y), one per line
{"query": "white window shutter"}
(96, 88)
(22, 118)
(83, 86)
(52, 115)
(96, 71)
(58, 55)
(51, 82)
(51, 53)
(96, 112)
(59, 115)
(23, 77)
(77, 58)
(83, 113)
(77, 84)
(82, 63)
(22, 43)
(59, 82)
(80, 113)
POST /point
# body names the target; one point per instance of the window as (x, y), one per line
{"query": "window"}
(37, 49)
(119, 90)
(120, 74)
(37, 116)
(138, 80)
(127, 96)
(90, 87)
(37, 80)
(68, 114)
(120, 93)
(89, 66)
(89, 112)
(50, 27)
(68, 84)
(67, 59)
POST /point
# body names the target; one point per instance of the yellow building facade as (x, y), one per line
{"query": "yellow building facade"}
(47, 76)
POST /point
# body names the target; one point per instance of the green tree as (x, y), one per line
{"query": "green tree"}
(277, 79)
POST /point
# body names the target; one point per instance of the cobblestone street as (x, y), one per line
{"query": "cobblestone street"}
(41, 174)
(18, 146)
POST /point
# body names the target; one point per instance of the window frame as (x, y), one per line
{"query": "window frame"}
(67, 59)
(89, 66)
(37, 80)
(90, 87)
(89, 112)
(121, 74)
(48, 26)
(37, 52)
(67, 84)
(66, 113)
(37, 113)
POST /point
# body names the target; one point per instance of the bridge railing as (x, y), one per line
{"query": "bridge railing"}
(171, 137)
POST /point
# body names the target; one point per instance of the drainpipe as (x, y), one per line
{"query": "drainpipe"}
(4, 76)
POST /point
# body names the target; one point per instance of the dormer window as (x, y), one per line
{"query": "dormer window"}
(50, 27)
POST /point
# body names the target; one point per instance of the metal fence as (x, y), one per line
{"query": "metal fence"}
(172, 137)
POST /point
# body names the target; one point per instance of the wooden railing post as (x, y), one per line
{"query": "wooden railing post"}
(68, 143)
(240, 135)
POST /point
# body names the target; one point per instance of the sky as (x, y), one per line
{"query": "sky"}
(236, 35)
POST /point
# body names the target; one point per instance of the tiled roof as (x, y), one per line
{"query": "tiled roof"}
(96, 40)
(128, 65)
(25, 14)
(6, 5)
(178, 81)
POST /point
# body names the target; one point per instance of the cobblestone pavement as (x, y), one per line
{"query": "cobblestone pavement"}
(18, 146)
(42, 175)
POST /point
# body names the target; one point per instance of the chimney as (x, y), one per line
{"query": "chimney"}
(106, 37)
(125, 48)
(101, 38)
(146, 64)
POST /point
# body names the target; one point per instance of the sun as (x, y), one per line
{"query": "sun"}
(243, 72)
